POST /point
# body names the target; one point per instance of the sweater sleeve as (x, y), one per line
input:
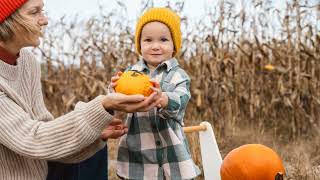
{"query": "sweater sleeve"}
(84, 153)
(51, 140)
(71, 137)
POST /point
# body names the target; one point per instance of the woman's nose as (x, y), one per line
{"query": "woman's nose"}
(43, 21)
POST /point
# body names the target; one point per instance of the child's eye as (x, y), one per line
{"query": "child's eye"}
(147, 40)
(164, 39)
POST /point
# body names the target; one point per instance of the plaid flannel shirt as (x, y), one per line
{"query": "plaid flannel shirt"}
(155, 146)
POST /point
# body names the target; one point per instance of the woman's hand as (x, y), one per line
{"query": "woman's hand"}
(114, 130)
(130, 103)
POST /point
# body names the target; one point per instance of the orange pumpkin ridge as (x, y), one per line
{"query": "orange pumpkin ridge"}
(133, 82)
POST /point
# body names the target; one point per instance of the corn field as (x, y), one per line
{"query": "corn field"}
(255, 74)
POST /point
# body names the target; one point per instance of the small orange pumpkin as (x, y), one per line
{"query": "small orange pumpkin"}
(251, 162)
(133, 82)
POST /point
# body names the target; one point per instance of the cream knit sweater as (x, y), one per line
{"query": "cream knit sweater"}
(29, 135)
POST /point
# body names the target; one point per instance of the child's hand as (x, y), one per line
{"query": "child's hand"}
(163, 97)
(113, 83)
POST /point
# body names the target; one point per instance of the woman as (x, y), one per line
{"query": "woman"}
(29, 135)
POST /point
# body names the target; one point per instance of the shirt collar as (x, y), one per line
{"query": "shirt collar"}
(8, 57)
(141, 65)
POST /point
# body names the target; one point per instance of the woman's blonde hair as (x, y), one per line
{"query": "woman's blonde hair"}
(13, 25)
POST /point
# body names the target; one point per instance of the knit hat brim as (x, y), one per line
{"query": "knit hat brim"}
(8, 7)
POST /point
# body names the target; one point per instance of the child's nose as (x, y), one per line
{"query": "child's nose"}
(155, 45)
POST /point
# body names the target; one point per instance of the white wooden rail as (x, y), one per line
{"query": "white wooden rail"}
(210, 154)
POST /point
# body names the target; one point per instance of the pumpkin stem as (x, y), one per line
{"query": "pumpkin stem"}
(279, 176)
(135, 73)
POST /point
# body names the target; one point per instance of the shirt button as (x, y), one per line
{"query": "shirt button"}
(158, 143)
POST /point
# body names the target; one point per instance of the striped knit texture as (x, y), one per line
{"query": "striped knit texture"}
(8, 7)
(29, 135)
(163, 15)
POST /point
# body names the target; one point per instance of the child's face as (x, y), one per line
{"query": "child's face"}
(156, 43)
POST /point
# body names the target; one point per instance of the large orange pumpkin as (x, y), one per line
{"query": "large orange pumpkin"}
(132, 82)
(251, 162)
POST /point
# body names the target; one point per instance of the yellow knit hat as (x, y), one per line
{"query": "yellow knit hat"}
(163, 15)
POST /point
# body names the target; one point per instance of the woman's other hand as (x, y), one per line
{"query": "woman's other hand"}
(114, 130)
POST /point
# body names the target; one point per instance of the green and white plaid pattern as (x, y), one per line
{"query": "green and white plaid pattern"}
(155, 146)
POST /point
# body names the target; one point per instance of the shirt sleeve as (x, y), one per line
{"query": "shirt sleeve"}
(178, 99)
